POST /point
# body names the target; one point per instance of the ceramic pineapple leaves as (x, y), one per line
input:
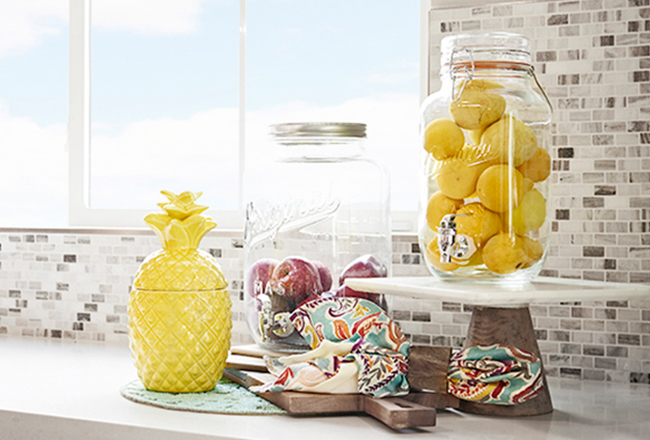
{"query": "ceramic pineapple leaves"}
(182, 225)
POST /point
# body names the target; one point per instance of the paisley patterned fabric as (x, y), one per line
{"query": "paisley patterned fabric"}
(495, 374)
(379, 351)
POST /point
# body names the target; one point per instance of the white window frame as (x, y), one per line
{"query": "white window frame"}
(79, 119)
(80, 213)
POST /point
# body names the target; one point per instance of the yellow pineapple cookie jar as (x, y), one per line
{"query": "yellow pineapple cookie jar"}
(180, 309)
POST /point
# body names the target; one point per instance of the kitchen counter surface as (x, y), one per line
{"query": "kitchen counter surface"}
(62, 390)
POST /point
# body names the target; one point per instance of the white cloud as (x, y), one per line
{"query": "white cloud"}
(157, 146)
(198, 153)
(391, 78)
(34, 177)
(147, 16)
(397, 72)
(201, 151)
(392, 125)
(24, 24)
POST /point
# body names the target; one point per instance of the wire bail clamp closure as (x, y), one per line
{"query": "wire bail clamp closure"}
(452, 71)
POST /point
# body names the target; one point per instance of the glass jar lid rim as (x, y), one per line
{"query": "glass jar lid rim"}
(319, 129)
(493, 46)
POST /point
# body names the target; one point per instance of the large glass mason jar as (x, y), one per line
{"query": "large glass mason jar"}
(486, 138)
(317, 213)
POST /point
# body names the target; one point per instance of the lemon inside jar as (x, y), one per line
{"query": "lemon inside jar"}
(493, 190)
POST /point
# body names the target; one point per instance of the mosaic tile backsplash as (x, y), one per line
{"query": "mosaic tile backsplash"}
(75, 285)
(593, 58)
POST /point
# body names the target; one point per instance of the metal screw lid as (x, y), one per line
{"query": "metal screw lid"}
(319, 129)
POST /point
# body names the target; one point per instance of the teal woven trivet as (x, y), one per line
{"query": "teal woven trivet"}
(226, 398)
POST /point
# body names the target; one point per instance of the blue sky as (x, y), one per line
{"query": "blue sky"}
(165, 85)
(327, 52)
(34, 81)
(148, 75)
(321, 52)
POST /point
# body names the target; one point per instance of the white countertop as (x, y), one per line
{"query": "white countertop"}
(62, 390)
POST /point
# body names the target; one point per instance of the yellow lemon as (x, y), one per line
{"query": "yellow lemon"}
(475, 135)
(438, 206)
(476, 259)
(456, 177)
(443, 138)
(538, 167)
(505, 253)
(510, 141)
(433, 257)
(528, 216)
(476, 108)
(481, 85)
(533, 249)
(500, 188)
(478, 222)
(528, 184)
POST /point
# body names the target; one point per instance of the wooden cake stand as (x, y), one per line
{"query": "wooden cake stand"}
(501, 316)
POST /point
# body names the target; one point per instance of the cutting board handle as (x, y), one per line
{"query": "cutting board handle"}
(398, 413)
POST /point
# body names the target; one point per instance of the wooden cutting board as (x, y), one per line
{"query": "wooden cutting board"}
(395, 412)
(418, 408)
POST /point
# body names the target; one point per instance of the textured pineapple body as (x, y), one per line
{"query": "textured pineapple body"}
(179, 269)
(180, 340)
(179, 321)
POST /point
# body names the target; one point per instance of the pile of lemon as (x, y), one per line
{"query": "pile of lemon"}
(488, 182)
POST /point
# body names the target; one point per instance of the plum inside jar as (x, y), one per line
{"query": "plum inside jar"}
(278, 288)
(317, 212)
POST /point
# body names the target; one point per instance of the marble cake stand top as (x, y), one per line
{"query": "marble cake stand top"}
(540, 290)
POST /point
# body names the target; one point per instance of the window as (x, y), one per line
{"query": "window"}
(157, 107)
(178, 94)
(164, 101)
(33, 113)
(340, 60)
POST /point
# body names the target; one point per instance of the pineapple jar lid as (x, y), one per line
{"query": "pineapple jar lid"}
(180, 265)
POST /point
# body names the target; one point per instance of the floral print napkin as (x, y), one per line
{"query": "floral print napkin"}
(371, 347)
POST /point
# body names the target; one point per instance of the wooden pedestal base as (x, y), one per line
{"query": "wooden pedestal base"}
(506, 326)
